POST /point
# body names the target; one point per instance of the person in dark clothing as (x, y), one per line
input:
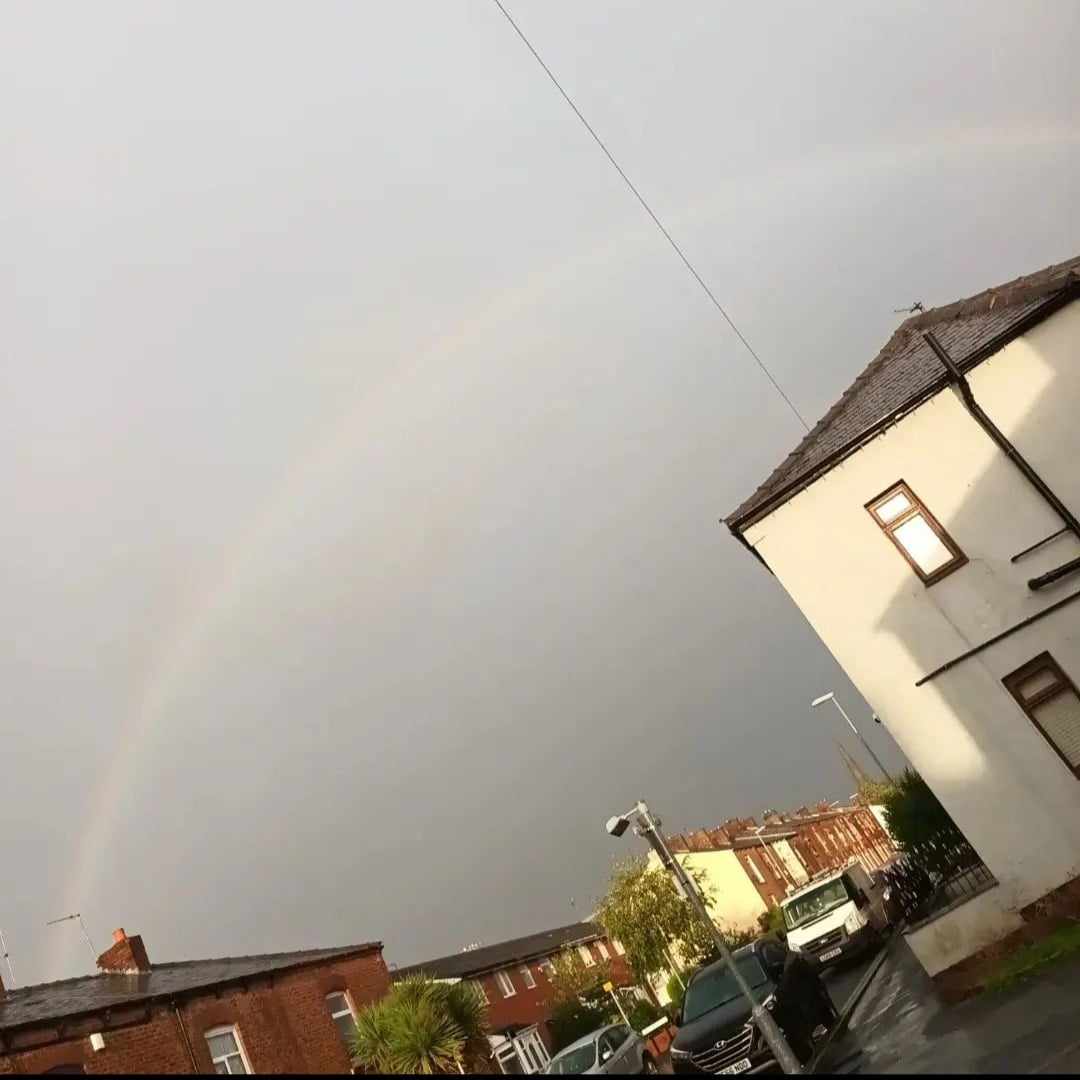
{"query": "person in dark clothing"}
(806, 1002)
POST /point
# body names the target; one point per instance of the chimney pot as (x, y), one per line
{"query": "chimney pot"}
(127, 955)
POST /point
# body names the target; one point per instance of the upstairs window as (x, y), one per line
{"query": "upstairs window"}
(505, 984)
(341, 1012)
(586, 955)
(916, 533)
(226, 1052)
(527, 978)
(618, 946)
(1052, 704)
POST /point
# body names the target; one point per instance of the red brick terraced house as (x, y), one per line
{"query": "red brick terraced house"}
(787, 849)
(751, 868)
(514, 978)
(280, 1012)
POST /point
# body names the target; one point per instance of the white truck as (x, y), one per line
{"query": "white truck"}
(839, 914)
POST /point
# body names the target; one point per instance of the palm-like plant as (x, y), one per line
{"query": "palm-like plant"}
(468, 1010)
(424, 1027)
(371, 1041)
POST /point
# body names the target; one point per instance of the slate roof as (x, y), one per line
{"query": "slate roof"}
(464, 965)
(47, 1003)
(906, 371)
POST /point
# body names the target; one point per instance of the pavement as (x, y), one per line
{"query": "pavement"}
(901, 1026)
(841, 981)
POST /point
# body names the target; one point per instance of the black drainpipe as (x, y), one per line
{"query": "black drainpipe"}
(184, 1036)
(1014, 455)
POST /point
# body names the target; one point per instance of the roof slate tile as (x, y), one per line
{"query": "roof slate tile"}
(906, 368)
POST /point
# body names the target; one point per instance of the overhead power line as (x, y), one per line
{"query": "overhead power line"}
(649, 210)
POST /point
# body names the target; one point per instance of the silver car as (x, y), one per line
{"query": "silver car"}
(613, 1049)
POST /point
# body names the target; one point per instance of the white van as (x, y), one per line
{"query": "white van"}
(840, 914)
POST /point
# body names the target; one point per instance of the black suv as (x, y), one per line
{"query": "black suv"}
(716, 1034)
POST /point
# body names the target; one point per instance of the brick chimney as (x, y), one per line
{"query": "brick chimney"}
(126, 955)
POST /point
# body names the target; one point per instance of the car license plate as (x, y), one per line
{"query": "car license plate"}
(739, 1067)
(832, 954)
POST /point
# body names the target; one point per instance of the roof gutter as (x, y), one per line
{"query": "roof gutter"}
(738, 522)
(979, 415)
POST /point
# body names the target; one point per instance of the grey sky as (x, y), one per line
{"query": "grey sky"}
(363, 445)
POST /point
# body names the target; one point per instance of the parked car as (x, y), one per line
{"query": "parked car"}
(716, 1033)
(614, 1049)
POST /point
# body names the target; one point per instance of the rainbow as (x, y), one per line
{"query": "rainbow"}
(181, 649)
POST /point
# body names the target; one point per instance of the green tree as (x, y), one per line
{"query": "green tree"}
(922, 827)
(571, 978)
(579, 1002)
(676, 991)
(425, 1027)
(772, 922)
(644, 911)
(875, 792)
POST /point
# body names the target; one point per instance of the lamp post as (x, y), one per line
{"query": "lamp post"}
(831, 696)
(649, 828)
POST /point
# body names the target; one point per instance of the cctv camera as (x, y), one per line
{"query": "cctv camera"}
(617, 825)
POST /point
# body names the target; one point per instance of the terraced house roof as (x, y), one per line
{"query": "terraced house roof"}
(906, 372)
(49, 1002)
(472, 962)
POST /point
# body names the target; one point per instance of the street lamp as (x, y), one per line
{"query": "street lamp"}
(830, 696)
(649, 828)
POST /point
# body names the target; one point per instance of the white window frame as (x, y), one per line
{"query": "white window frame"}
(505, 984)
(547, 967)
(478, 983)
(527, 977)
(620, 949)
(349, 1010)
(234, 1031)
(754, 867)
(586, 955)
(604, 954)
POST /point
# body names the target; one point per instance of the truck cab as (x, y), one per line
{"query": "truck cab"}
(838, 915)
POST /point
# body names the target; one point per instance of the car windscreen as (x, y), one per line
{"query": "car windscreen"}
(813, 905)
(717, 986)
(572, 1062)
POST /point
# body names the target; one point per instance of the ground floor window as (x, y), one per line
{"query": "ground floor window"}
(226, 1051)
(520, 1054)
(1052, 703)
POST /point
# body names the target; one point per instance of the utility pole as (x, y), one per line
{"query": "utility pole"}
(649, 828)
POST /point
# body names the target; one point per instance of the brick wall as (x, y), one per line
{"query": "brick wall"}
(823, 843)
(533, 1006)
(283, 1022)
